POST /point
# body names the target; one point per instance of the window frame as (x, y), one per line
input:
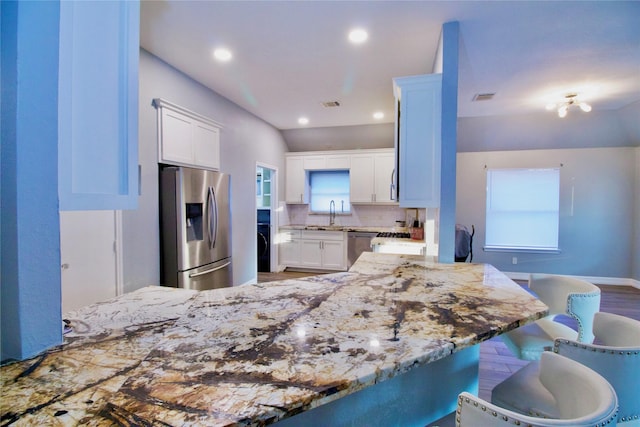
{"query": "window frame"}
(493, 244)
(338, 197)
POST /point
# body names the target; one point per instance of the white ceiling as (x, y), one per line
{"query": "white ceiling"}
(289, 56)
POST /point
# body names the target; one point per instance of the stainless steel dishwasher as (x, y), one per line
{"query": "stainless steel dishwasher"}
(358, 242)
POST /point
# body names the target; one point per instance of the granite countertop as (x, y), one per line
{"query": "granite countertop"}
(372, 229)
(254, 354)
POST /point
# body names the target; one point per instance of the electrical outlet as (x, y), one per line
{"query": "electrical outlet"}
(514, 260)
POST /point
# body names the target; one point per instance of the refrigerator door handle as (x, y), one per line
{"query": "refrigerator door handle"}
(213, 218)
(202, 273)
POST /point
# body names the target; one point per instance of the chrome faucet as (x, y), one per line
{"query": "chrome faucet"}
(332, 212)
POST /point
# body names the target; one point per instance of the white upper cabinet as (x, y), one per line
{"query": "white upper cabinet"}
(361, 178)
(314, 162)
(419, 143)
(295, 175)
(98, 105)
(186, 138)
(326, 161)
(371, 177)
(370, 173)
(385, 164)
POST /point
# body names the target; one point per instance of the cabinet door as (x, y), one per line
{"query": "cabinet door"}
(338, 161)
(98, 105)
(295, 180)
(420, 139)
(311, 253)
(186, 138)
(361, 178)
(289, 252)
(206, 145)
(333, 255)
(176, 137)
(384, 166)
(318, 162)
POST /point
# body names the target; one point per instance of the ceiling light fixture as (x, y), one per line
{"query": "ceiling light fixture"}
(358, 36)
(569, 100)
(303, 121)
(378, 115)
(222, 54)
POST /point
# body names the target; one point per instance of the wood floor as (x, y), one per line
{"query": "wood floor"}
(496, 361)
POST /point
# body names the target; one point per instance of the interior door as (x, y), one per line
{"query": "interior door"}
(87, 249)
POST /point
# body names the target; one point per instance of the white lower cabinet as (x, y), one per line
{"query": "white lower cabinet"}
(334, 255)
(322, 250)
(289, 247)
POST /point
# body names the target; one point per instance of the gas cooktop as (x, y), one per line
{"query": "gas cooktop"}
(395, 235)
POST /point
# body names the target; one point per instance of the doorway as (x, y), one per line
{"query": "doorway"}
(266, 200)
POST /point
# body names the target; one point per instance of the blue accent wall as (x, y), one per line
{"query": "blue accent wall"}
(30, 273)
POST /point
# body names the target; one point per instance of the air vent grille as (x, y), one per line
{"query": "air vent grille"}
(483, 96)
(329, 104)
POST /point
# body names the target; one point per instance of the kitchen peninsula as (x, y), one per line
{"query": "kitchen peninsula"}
(338, 349)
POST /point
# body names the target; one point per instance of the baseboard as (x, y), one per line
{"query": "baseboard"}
(615, 281)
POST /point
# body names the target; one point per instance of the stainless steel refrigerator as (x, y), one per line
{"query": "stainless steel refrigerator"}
(195, 228)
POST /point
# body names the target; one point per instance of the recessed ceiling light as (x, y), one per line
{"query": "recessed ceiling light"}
(358, 36)
(303, 121)
(378, 115)
(222, 54)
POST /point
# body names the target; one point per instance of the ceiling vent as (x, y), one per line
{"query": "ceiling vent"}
(330, 104)
(483, 96)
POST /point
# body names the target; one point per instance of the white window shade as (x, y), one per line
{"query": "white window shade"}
(329, 185)
(523, 209)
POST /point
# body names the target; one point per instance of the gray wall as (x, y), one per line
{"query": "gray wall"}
(598, 192)
(245, 139)
(548, 131)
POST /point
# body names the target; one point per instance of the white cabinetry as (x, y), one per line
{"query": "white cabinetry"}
(322, 250)
(371, 176)
(186, 138)
(289, 247)
(326, 161)
(296, 181)
(98, 105)
(419, 141)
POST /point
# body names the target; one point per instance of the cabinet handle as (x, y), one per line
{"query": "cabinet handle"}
(392, 187)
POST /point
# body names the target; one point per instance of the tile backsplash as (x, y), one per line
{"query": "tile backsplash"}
(361, 215)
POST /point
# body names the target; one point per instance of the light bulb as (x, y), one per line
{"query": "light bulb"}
(358, 36)
(562, 111)
(222, 54)
(584, 107)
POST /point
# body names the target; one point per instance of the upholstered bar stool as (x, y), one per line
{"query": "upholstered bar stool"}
(559, 381)
(576, 298)
(616, 359)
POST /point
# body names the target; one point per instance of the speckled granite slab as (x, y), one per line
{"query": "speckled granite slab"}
(254, 354)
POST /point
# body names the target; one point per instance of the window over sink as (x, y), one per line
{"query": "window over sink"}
(328, 185)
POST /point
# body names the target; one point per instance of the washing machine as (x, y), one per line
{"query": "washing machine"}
(264, 240)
